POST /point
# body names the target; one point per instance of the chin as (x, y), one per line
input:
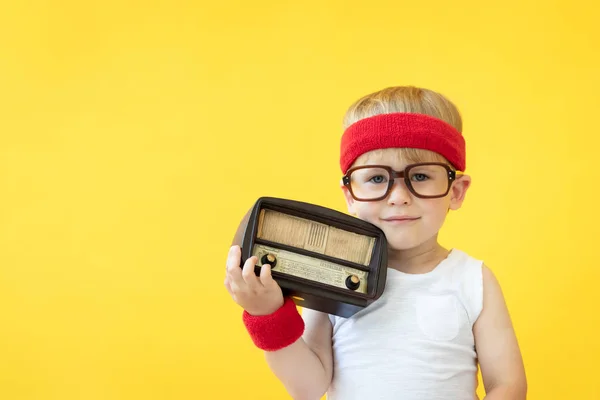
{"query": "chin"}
(401, 247)
(399, 243)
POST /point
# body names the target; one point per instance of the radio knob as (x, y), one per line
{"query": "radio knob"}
(269, 259)
(352, 282)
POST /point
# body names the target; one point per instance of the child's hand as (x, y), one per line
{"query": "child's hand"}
(257, 296)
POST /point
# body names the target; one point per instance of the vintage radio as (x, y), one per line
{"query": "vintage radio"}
(324, 259)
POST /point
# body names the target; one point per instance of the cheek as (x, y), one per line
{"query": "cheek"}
(436, 210)
(367, 212)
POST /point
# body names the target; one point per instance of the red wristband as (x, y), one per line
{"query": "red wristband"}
(277, 330)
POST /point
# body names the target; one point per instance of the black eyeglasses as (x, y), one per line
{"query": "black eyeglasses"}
(424, 180)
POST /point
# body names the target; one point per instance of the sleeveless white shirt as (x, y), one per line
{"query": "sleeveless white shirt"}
(416, 341)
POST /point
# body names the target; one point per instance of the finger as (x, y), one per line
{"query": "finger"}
(249, 275)
(266, 278)
(234, 272)
(228, 286)
(233, 258)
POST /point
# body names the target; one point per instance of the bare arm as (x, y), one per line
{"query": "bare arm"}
(497, 347)
(305, 367)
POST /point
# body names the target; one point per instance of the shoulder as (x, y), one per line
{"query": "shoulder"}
(491, 286)
(494, 309)
(493, 298)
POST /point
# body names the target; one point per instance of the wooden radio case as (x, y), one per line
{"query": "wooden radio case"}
(324, 259)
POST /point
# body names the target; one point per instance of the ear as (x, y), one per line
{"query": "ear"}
(348, 198)
(459, 191)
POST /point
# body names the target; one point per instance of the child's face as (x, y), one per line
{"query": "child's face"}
(425, 216)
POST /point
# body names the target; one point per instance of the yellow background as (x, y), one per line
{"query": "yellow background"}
(135, 135)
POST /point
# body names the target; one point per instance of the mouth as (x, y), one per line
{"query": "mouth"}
(400, 219)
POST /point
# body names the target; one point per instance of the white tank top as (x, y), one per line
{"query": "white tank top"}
(415, 342)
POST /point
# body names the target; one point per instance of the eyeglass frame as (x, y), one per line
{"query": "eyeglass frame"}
(452, 176)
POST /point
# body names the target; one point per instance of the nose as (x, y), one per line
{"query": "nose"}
(399, 193)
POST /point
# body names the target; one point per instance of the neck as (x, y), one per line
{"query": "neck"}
(418, 260)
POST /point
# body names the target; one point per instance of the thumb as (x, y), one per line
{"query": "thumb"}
(265, 276)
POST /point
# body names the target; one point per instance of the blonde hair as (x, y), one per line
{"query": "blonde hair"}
(409, 99)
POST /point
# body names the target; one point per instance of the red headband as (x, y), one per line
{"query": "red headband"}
(402, 130)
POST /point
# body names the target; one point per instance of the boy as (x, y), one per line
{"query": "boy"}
(442, 313)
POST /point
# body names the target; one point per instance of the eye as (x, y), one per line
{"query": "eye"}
(419, 177)
(377, 179)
